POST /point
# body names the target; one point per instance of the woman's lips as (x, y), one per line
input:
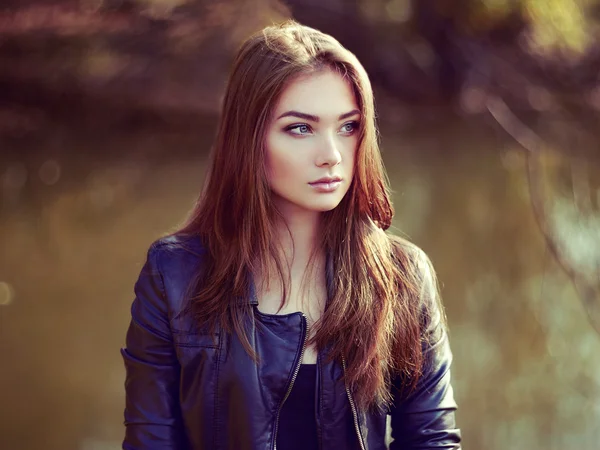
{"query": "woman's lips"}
(326, 186)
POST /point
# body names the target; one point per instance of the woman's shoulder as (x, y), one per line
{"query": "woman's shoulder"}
(409, 253)
(176, 260)
(420, 271)
(417, 268)
(162, 288)
(176, 249)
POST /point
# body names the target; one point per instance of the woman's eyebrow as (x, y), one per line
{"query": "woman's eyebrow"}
(349, 114)
(313, 118)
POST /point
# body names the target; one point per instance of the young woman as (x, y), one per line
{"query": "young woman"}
(282, 315)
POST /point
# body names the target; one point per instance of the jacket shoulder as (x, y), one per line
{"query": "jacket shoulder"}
(178, 259)
(419, 271)
(412, 260)
(174, 245)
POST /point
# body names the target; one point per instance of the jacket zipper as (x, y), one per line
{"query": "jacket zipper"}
(296, 370)
(353, 407)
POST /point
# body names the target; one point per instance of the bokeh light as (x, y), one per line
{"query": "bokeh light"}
(50, 172)
(7, 293)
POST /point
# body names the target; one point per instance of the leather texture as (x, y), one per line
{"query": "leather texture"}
(188, 389)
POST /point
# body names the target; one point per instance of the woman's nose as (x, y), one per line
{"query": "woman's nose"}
(329, 151)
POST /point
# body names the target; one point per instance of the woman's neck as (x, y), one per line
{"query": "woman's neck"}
(298, 236)
(299, 239)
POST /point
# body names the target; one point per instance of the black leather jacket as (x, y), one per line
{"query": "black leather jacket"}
(186, 390)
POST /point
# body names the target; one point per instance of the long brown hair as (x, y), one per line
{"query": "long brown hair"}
(373, 316)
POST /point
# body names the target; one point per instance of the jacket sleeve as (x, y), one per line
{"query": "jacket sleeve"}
(152, 412)
(424, 419)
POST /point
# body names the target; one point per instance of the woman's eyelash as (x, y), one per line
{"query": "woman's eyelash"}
(296, 126)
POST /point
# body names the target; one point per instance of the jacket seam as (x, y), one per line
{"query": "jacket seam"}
(216, 406)
(320, 387)
(161, 286)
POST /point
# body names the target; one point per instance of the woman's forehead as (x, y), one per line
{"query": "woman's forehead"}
(325, 94)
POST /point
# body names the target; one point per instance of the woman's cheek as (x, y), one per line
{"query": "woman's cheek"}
(286, 156)
(273, 155)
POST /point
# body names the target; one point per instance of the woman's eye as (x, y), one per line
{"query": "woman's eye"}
(349, 127)
(301, 128)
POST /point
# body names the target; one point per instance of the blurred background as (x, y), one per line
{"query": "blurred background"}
(490, 117)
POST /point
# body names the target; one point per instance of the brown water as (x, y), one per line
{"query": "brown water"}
(80, 210)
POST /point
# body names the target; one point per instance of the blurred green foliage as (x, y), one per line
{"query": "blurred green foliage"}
(563, 25)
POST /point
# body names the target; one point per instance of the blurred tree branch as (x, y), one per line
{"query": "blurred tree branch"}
(534, 146)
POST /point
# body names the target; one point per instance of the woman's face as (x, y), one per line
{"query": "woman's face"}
(311, 143)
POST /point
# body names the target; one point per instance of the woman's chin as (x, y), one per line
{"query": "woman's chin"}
(325, 206)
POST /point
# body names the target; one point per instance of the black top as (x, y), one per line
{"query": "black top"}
(297, 423)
